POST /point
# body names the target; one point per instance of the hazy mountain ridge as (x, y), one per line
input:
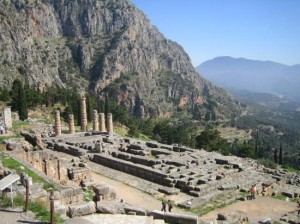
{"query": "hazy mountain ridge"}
(253, 75)
(103, 46)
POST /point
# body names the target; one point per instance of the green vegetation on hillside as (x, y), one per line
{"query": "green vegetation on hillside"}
(275, 136)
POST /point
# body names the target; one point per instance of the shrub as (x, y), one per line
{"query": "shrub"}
(267, 163)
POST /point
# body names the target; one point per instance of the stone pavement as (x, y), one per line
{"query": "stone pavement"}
(112, 219)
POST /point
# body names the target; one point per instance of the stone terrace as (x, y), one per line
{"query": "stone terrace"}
(202, 175)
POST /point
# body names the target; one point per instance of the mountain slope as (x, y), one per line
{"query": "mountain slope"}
(253, 75)
(104, 47)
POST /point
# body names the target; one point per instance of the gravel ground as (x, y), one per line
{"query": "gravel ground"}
(16, 215)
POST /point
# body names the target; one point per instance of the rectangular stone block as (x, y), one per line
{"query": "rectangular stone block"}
(81, 209)
(101, 189)
(67, 192)
(77, 190)
(35, 188)
(221, 161)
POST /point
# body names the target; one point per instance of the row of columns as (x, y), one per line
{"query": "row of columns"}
(99, 123)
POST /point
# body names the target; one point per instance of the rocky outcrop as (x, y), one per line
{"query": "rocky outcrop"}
(104, 46)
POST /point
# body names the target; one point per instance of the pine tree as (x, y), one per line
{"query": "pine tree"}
(280, 154)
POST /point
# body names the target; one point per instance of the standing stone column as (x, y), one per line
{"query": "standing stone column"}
(71, 124)
(7, 117)
(102, 122)
(95, 121)
(57, 126)
(83, 114)
(110, 128)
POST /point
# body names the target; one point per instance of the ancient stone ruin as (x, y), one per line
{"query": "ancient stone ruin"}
(200, 174)
(102, 122)
(7, 117)
(171, 169)
(83, 114)
(57, 125)
(71, 124)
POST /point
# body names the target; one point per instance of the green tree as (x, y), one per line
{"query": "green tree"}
(106, 107)
(89, 109)
(211, 140)
(245, 150)
(4, 94)
(276, 155)
(256, 145)
(280, 161)
(133, 131)
(19, 100)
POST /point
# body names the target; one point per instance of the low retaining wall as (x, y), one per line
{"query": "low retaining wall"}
(72, 150)
(174, 218)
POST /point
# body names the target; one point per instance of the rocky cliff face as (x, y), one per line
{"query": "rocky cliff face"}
(103, 46)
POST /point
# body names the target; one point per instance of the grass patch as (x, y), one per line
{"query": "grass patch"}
(88, 194)
(144, 138)
(3, 138)
(217, 202)
(290, 169)
(19, 168)
(244, 194)
(267, 163)
(279, 197)
(283, 198)
(37, 207)
(120, 130)
(202, 211)
(18, 125)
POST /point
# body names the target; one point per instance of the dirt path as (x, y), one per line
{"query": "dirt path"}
(259, 209)
(131, 195)
(16, 215)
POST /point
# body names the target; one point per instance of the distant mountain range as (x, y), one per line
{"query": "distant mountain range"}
(253, 75)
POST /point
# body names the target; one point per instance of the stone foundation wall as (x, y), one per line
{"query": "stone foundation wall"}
(72, 150)
(46, 162)
(56, 168)
(134, 169)
(69, 196)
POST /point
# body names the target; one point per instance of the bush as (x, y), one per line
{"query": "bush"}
(267, 163)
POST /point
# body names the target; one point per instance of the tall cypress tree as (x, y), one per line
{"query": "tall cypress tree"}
(256, 145)
(19, 99)
(280, 154)
(276, 155)
(106, 108)
(23, 110)
(89, 108)
(78, 112)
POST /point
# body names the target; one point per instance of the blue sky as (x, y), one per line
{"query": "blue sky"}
(254, 29)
